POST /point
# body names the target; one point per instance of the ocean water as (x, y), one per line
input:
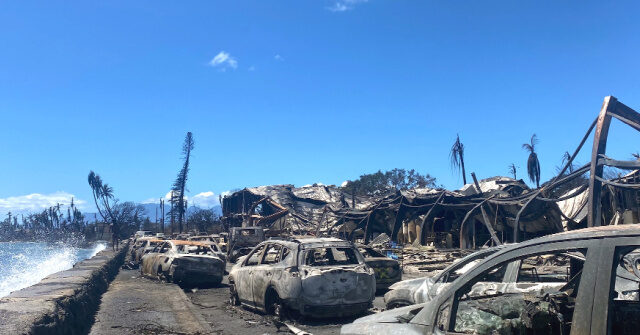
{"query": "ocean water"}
(24, 264)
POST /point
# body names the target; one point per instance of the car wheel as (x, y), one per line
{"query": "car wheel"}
(273, 304)
(234, 300)
(162, 276)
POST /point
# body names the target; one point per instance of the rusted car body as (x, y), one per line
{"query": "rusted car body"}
(599, 294)
(317, 277)
(137, 244)
(184, 262)
(212, 242)
(419, 290)
(145, 246)
(387, 270)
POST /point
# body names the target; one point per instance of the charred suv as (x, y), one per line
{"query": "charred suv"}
(317, 277)
(184, 262)
(387, 270)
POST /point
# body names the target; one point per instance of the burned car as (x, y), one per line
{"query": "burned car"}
(387, 270)
(145, 246)
(596, 292)
(317, 277)
(242, 240)
(184, 262)
(212, 242)
(419, 290)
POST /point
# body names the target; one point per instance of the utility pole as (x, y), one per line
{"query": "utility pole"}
(162, 213)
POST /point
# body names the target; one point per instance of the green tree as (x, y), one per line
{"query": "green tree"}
(380, 183)
(203, 219)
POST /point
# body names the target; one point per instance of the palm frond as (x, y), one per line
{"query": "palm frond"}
(457, 151)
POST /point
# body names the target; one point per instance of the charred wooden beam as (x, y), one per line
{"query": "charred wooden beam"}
(485, 217)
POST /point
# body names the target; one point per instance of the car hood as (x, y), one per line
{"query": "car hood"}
(409, 284)
(395, 321)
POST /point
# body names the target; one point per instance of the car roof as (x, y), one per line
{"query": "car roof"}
(587, 233)
(183, 242)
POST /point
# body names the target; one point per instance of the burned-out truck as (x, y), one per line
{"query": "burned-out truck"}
(242, 240)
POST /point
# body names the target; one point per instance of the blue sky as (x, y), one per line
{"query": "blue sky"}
(300, 91)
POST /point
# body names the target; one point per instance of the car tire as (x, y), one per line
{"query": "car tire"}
(273, 304)
(234, 300)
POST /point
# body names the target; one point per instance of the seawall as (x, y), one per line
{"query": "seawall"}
(64, 302)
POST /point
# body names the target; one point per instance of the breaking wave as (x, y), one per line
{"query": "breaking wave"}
(26, 263)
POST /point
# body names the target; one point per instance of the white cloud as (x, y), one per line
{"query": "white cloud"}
(36, 202)
(205, 200)
(344, 5)
(278, 57)
(223, 60)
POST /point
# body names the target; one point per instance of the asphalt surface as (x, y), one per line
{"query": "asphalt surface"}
(136, 305)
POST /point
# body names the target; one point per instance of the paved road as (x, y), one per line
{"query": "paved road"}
(135, 305)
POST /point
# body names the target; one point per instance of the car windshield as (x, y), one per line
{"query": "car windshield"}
(326, 256)
(195, 250)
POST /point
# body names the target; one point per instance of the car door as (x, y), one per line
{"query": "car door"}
(148, 259)
(478, 304)
(242, 277)
(616, 306)
(263, 272)
(159, 256)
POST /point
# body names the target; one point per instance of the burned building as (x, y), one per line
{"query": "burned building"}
(467, 217)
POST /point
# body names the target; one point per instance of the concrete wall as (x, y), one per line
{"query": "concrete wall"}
(64, 302)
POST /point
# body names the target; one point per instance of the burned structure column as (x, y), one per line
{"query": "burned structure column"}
(610, 108)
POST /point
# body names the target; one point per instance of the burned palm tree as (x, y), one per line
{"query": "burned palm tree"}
(513, 171)
(533, 165)
(181, 181)
(566, 157)
(457, 158)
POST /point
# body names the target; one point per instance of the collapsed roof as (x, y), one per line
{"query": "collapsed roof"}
(417, 215)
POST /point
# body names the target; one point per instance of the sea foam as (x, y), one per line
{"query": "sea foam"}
(26, 263)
